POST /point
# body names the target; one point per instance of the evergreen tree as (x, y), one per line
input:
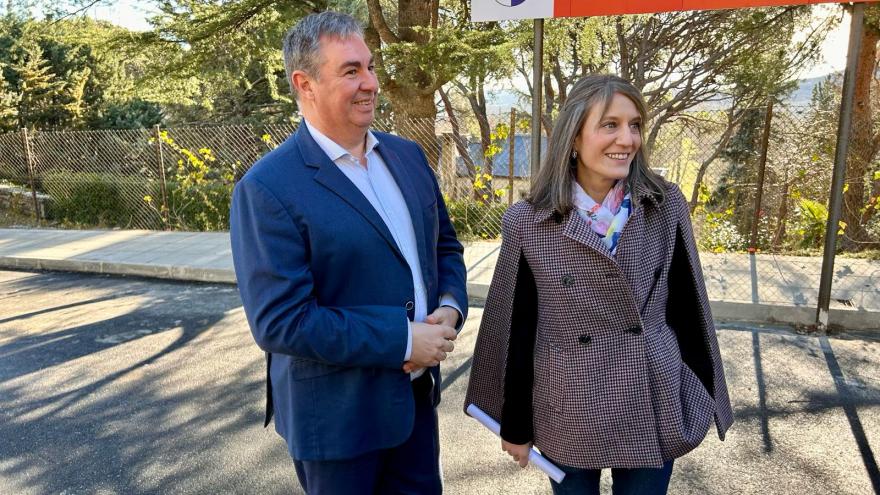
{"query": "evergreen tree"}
(39, 90)
(736, 189)
(8, 105)
(131, 114)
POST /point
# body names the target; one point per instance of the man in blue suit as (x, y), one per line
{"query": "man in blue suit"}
(351, 277)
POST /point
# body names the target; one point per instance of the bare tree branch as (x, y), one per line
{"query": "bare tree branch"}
(77, 11)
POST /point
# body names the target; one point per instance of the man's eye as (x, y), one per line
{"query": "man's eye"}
(371, 68)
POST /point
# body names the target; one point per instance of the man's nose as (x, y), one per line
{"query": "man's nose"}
(369, 82)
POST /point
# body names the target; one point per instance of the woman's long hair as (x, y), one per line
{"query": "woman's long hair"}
(551, 188)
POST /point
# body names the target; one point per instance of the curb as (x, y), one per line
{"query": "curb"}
(849, 318)
(748, 312)
(167, 272)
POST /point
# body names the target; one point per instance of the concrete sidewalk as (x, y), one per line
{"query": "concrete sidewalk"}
(191, 256)
(742, 287)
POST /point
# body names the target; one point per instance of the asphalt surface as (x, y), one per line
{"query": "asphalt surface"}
(741, 287)
(129, 386)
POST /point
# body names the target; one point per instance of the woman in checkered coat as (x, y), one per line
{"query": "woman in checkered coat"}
(597, 343)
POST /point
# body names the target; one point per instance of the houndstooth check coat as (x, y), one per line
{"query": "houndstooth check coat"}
(627, 371)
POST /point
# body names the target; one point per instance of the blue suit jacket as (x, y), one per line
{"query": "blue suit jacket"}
(327, 293)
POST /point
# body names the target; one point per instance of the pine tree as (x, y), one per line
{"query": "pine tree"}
(736, 189)
(38, 88)
(8, 105)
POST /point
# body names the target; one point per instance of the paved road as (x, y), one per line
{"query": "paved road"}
(130, 386)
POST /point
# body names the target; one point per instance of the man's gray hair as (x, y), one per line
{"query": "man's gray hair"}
(302, 43)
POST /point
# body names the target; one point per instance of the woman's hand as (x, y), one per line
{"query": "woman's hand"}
(520, 453)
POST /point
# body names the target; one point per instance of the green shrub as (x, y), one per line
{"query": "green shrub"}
(93, 199)
(476, 220)
(810, 223)
(198, 207)
(718, 234)
(198, 192)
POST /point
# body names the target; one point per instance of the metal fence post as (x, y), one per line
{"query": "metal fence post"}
(29, 159)
(762, 168)
(839, 175)
(162, 184)
(511, 146)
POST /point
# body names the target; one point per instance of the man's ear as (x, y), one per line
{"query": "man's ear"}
(303, 84)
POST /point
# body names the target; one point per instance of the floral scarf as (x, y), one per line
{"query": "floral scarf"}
(606, 219)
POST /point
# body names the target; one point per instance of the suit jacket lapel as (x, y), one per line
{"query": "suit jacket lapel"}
(629, 248)
(403, 176)
(329, 176)
(577, 230)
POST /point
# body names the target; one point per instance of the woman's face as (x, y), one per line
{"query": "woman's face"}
(607, 144)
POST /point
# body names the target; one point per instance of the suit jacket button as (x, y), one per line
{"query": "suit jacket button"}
(636, 330)
(585, 339)
(567, 280)
(410, 305)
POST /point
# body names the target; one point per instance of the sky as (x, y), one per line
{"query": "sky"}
(835, 46)
(132, 15)
(129, 14)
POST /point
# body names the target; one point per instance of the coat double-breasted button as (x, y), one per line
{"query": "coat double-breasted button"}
(635, 330)
(410, 305)
(585, 339)
(567, 280)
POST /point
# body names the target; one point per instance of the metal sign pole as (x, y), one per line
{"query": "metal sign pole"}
(537, 94)
(844, 129)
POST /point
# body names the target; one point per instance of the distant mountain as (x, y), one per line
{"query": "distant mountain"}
(801, 96)
(500, 100)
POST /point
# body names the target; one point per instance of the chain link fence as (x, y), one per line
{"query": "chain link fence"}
(776, 208)
(771, 200)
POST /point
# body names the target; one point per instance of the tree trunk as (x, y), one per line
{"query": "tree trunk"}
(861, 147)
(779, 236)
(719, 146)
(460, 142)
(413, 104)
(477, 101)
(414, 115)
(874, 205)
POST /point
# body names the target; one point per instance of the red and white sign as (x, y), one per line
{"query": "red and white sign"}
(502, 10)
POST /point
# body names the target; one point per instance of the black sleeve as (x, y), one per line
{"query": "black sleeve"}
(516, 412)
(682, 315)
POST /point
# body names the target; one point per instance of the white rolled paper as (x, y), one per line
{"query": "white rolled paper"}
(534, 457)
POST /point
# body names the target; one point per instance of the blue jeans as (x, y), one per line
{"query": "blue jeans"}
(642, 481)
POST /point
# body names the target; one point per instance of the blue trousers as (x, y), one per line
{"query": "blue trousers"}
(642, 481)
(412, 468)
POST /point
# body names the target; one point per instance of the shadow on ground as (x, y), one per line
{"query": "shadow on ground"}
(147, 401)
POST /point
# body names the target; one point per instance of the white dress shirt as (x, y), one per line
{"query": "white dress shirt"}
(377, 184)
